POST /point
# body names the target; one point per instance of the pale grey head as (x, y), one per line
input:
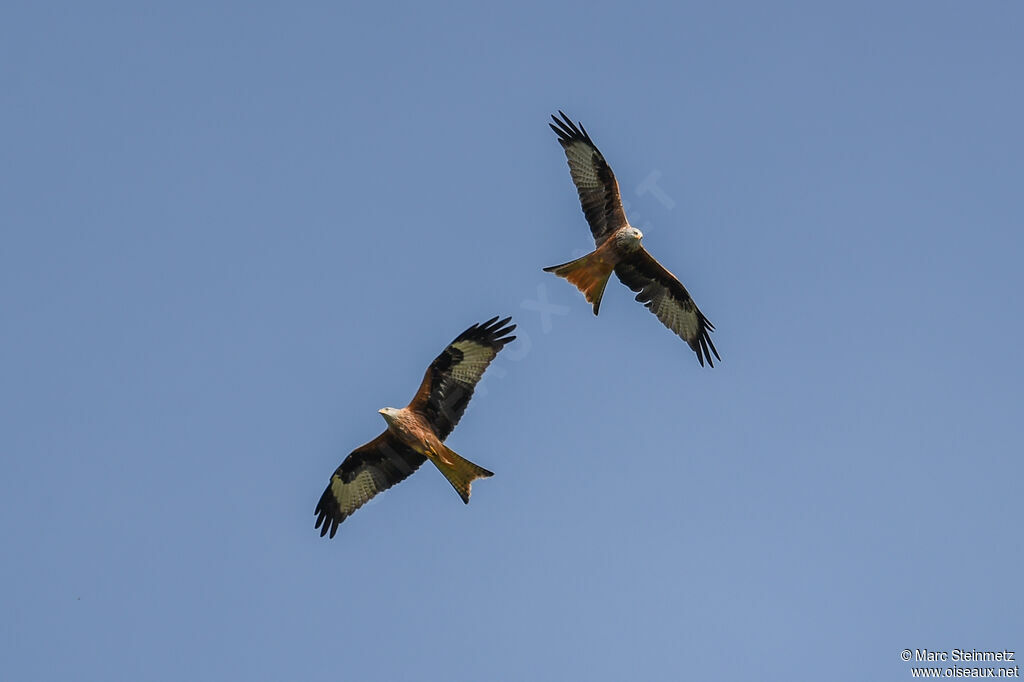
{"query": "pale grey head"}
(628, 238)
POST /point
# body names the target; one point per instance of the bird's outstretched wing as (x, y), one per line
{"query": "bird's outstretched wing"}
(593, 177)
(449, 382)
(666, 297)
(368, 470)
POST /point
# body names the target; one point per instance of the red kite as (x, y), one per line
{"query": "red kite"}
(619, 248)
(416, 433)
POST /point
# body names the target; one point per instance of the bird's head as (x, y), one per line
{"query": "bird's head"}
(389, 414)
(629, 238)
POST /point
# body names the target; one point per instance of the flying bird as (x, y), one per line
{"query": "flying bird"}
(416, 433)
(619, 247)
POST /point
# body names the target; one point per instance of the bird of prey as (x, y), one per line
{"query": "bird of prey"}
(416, 432)
(619, 248)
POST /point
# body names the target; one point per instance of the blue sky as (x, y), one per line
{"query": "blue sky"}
(232, 233)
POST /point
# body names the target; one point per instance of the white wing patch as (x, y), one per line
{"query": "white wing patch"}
(673, 316)
(358, 491)
(475, 359)
(581, 164)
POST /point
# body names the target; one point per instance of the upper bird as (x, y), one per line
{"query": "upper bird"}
(416, 433)
(619, 248)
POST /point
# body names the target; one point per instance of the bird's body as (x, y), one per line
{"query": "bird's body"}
(619, 248)
(410, 427)
(416, 433)
(591, 272)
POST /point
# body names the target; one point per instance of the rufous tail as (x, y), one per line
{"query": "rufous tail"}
(588, 274)
(459, 471)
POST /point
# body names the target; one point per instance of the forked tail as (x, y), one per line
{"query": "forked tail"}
(588, 274)
(459, 471)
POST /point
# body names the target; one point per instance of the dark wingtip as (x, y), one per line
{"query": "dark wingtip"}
(494, 331)
(326, 521)
(322, 522)
(568, 131)
(714, 350)
(705, 348)
(707, 342)
(503, 331)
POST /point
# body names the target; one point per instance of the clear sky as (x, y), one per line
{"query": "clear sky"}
(232, 233)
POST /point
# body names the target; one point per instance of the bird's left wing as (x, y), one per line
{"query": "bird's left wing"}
(449, 382)
(666, 297)
(368, 470)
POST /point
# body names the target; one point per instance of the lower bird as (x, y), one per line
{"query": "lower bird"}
(417, 432)
(619, 248)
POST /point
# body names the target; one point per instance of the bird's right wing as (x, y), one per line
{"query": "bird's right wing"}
(368, 470)
(593, 177)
